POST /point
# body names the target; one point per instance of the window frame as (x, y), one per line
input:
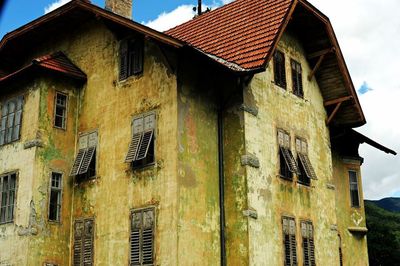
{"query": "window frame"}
(65, 119)
(142, 164)
(304, 163)
(297, 78)
(358, 188)
(93, 238)
(154, 228)
(60, 190)
(6, 102)
(280, 70)
(310, 242)
(86, 149)
(9, 174)
(127, 48)
(295, 254)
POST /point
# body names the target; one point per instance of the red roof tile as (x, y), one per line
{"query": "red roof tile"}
(242, 32)
(58, 62)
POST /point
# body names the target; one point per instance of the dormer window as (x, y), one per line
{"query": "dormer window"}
(131, 58)
(279, 69)
(11, 117)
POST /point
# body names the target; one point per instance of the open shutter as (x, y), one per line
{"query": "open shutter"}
(305, 161)
(133, 148)
(123, 60)
(148, 238)
(137, 64)
(78, 161)
(145, 144)
(88, 243)
(289, 159)
(78, 235)
(87, 159)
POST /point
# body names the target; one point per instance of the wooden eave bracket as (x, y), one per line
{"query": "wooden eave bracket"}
(338, 103)
(321, 54)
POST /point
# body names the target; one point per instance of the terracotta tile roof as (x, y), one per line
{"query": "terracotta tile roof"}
(58, 62)
(242, 32)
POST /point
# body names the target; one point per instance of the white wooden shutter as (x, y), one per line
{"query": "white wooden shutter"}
(145, 144)
(289, 160)
(87, 159)
(78, 161)
(305, 161)
(78, 236)
(133, 148)
(87, 251)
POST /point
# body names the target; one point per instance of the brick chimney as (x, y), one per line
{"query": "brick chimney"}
(120, 7)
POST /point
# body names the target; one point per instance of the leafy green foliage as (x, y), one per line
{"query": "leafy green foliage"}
(383, 236)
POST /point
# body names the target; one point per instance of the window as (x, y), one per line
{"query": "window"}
(306, 170)
(60, 112)
(10, 124)
(287, 164)
(85, 162)
(7, 199)
(55, 197)
(131, 58)
(289, 241)
(279, 69)
(141, 149)
(308, 243)
(83, 242)
(142, 237)
(354, 196)
(297, 78)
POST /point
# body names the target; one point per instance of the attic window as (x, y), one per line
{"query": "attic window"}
(85, 162)
(279, 69)
(287, 165)
(297, 78)
(131, 58)
(141, 149)
(306, 170)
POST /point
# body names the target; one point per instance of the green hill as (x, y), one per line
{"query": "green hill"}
(389, 204)
(383, 235)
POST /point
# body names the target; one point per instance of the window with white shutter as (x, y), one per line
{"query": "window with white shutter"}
(307, 234)
(141, 151)
(83, 242)
(306, 170)
(289, 241)
(131, 57)
(287, 163)
(142, 237)
(11, 120)
(84, 166)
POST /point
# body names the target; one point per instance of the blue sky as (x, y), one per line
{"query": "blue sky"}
(19, 12)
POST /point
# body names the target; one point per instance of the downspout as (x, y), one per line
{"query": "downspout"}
(221, 184)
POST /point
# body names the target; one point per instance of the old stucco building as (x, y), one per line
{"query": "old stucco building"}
(227, 140)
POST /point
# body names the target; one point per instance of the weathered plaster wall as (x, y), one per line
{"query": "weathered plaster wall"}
(268, 194)
(198, 189)
(13, 239)
(354, 247)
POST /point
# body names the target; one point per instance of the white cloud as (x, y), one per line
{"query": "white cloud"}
(224, 2)
(55, 5)
(165, 20)
(368, 33)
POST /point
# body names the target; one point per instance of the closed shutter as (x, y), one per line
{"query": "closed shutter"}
(289, 159)
(133, 148)
(123, 63)
(145, 144)
(78, 161)
(88, 243)
(78, 236)
(87, 159)
(305, 161)
(289, 238)
(142, 237)
(137, 64)
(83, 242)
(308, 243)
